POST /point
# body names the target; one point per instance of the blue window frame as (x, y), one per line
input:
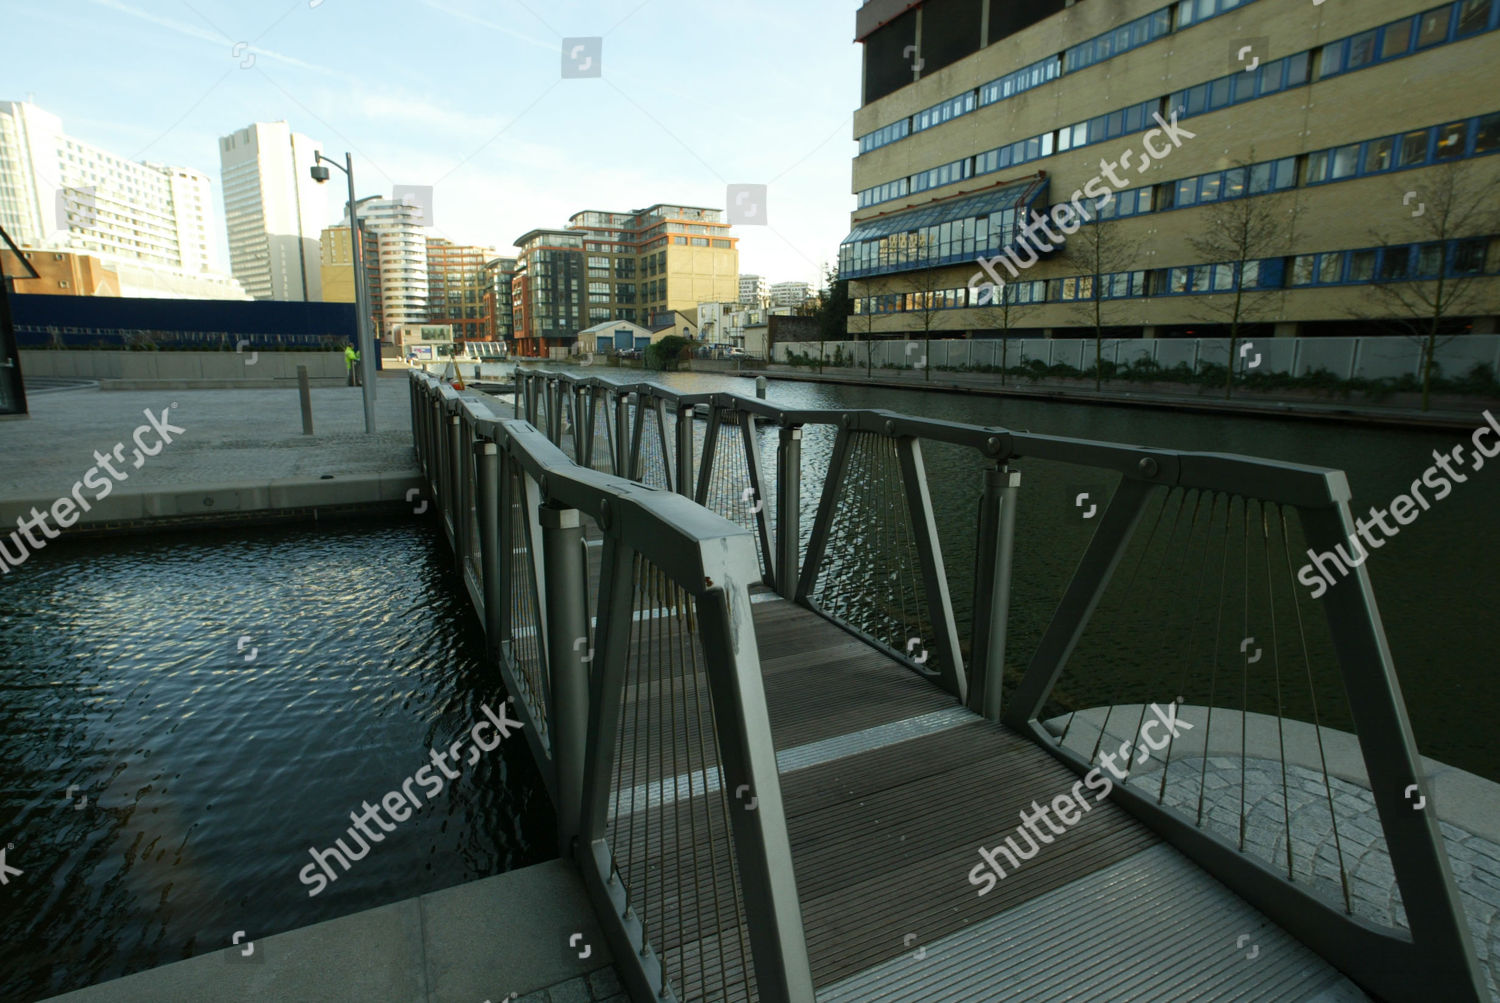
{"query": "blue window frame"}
(1465, 138)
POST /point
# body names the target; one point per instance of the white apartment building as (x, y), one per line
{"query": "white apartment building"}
(753, 290)
(274, 211)
(790, 293)
(147, 221)
(402, 250)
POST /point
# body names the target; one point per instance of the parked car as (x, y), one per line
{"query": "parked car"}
(737, 353)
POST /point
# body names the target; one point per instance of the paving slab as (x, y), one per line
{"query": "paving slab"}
(238, 453)
(526, 933)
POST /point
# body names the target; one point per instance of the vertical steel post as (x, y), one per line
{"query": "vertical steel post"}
(622, 437)
(567, 635)
(685, 450)
(992, 572)
(487, 484)
(788, 512)
(454, 489)
(304, 395)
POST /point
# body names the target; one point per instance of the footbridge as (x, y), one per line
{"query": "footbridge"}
(834, 705)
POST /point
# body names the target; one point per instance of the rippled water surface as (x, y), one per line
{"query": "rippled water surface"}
(220, 702)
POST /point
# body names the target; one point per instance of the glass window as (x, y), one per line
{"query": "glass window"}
(1297, 69)
(1136, 116)
(1452, 139)
(1473, 16)
(1487, 136)
(1270, 77)
(1260, 178)
(1317, 167)
(1397, 39)
(1234, 183)
(1395, 263)
(1361, 266)
(1378, 154)
(1329, 266)
(1197, 100)
(1223, 278)
(1219, 92)
(1177, 280)
(1208, 187)
(1331, 60)
(1413, 149)
(1243, 86)
(1202, 275)
(1432, 27)
(1362, 49)
(1250, 272)
(1187, 192)
(1345, 162)
(1429, 259)
(1304, 268)
(1468, 257)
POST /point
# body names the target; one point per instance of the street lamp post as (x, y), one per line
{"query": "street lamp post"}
(361, 307)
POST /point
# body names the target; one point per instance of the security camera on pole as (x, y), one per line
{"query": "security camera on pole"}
(361, 308)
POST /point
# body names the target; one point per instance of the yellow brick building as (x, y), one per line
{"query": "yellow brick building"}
(1329, 163)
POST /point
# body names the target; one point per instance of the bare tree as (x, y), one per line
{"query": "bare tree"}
(1426, 294)
(1237, 233)
(1099, 250)
(1000, 302)
(925, 300)
(871, 289)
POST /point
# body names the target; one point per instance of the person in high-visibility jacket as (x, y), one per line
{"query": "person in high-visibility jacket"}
(351, 362)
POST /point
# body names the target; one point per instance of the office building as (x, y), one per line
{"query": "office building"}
(754, 290)
(273, 210)
(456, 288)
(662, 258)
(151, 224)
(790, 293)
(395, 243)
(633, 266)
(1333, 129)
(499, 276)
(547, 293)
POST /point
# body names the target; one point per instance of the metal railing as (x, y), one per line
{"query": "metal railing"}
(1295, 784)
(648, 721)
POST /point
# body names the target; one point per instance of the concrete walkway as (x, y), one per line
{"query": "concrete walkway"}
(240, 454)
(513, 937)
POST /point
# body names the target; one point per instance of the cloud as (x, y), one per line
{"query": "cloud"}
(464, 15)
(218, 38)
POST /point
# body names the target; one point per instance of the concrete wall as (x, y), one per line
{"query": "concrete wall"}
(182, 368)
(1369, 358)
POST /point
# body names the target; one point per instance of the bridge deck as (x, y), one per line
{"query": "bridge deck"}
(890, 788)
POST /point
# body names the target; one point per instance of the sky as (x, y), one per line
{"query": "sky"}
(468, 97)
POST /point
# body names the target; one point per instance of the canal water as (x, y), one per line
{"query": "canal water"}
(185, 715)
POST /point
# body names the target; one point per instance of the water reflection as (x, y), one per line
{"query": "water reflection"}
(223, 701)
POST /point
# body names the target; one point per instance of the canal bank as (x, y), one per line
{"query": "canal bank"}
(1454, 413)
(94, 461)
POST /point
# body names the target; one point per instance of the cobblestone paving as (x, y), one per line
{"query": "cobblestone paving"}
(1316, 853)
